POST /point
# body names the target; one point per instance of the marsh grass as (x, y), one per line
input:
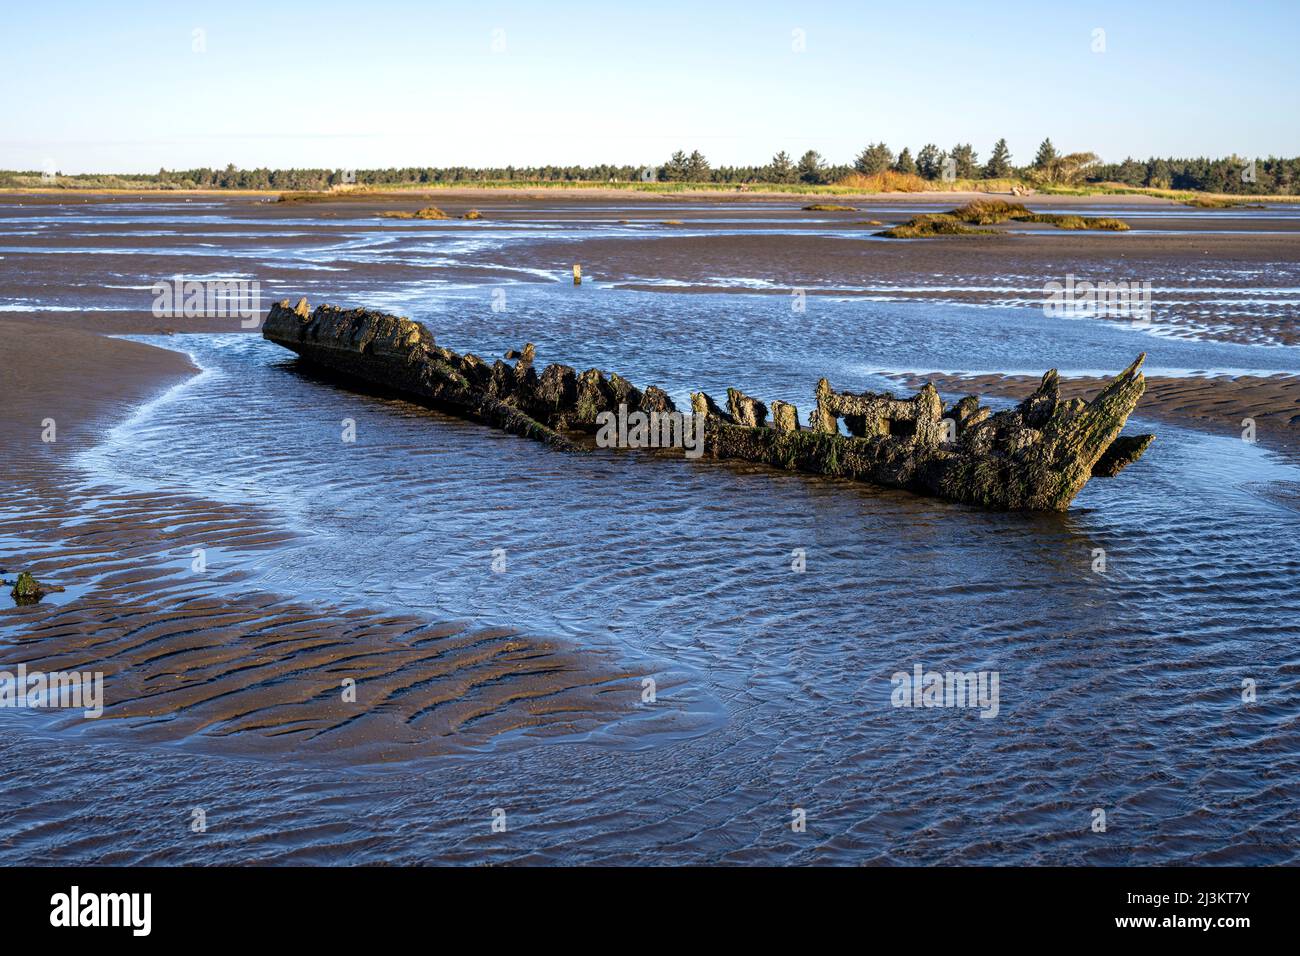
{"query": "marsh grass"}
(32, 181)
(829, 207)
(888, 182)
(428, 212)
(1210, 202)
(1177, 195)
(932, 225)
(1108, 223)
(990, 212)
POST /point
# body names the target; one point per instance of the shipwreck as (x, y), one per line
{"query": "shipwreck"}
(1033, 457)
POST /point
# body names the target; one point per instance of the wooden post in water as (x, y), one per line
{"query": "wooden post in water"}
(577, 274)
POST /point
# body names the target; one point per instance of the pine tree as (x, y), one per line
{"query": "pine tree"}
(965, 159)
(999, 164)
(811, 168)
(781, 170)
(927, 161)
(876, 158)
(674, 171)
(697, 168)
(1047, 155)
(905, 163)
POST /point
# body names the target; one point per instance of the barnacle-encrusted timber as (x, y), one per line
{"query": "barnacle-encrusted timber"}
(1036, 456)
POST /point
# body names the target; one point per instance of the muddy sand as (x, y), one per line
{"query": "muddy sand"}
(188, 653)
(1199, 263)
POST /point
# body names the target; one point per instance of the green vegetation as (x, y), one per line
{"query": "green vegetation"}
(1208, 202)
(25, 586)
(811, 168)
(935, 224)
(1075, 222)
(989, 212)
(999, 164)
(876, 165)
(428, 212)
(888, 181)
(986, 212)
(875, 159)
(27, 590)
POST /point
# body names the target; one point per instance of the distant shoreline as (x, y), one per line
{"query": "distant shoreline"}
(656, 191)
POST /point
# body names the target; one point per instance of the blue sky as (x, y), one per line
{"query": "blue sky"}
(107, 87)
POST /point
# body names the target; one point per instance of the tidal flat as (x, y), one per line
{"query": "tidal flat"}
(636, 657)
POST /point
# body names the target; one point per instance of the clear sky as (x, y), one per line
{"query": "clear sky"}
(105, 87)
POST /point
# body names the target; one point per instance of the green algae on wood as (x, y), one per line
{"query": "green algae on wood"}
(27, 590)
(1036, 456)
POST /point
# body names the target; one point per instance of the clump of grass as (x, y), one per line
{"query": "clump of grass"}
(472, 214)
(886, 182)
(672, 222)
(1207, 202)
(829, 207)
(1075, 222)
(428, 212)
(332, 194)
(1059, 221)
(988, 212)
(932, 225)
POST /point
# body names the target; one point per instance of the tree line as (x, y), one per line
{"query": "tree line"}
(1049, 166)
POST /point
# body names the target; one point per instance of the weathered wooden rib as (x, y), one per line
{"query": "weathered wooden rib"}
(1036, 456)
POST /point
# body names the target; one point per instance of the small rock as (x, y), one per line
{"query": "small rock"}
(27, 590)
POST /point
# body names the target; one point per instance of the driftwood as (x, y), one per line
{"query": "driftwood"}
(1036, 456)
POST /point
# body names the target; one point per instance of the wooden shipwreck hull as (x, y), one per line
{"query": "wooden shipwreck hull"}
(1036, 456)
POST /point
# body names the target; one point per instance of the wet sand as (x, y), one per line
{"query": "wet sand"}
(195, 659)
(1010, 269)
(1200, 263)
(85, 382)
(690, 561)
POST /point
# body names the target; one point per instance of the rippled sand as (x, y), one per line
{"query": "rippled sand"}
(190, 653)
(522, 691)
